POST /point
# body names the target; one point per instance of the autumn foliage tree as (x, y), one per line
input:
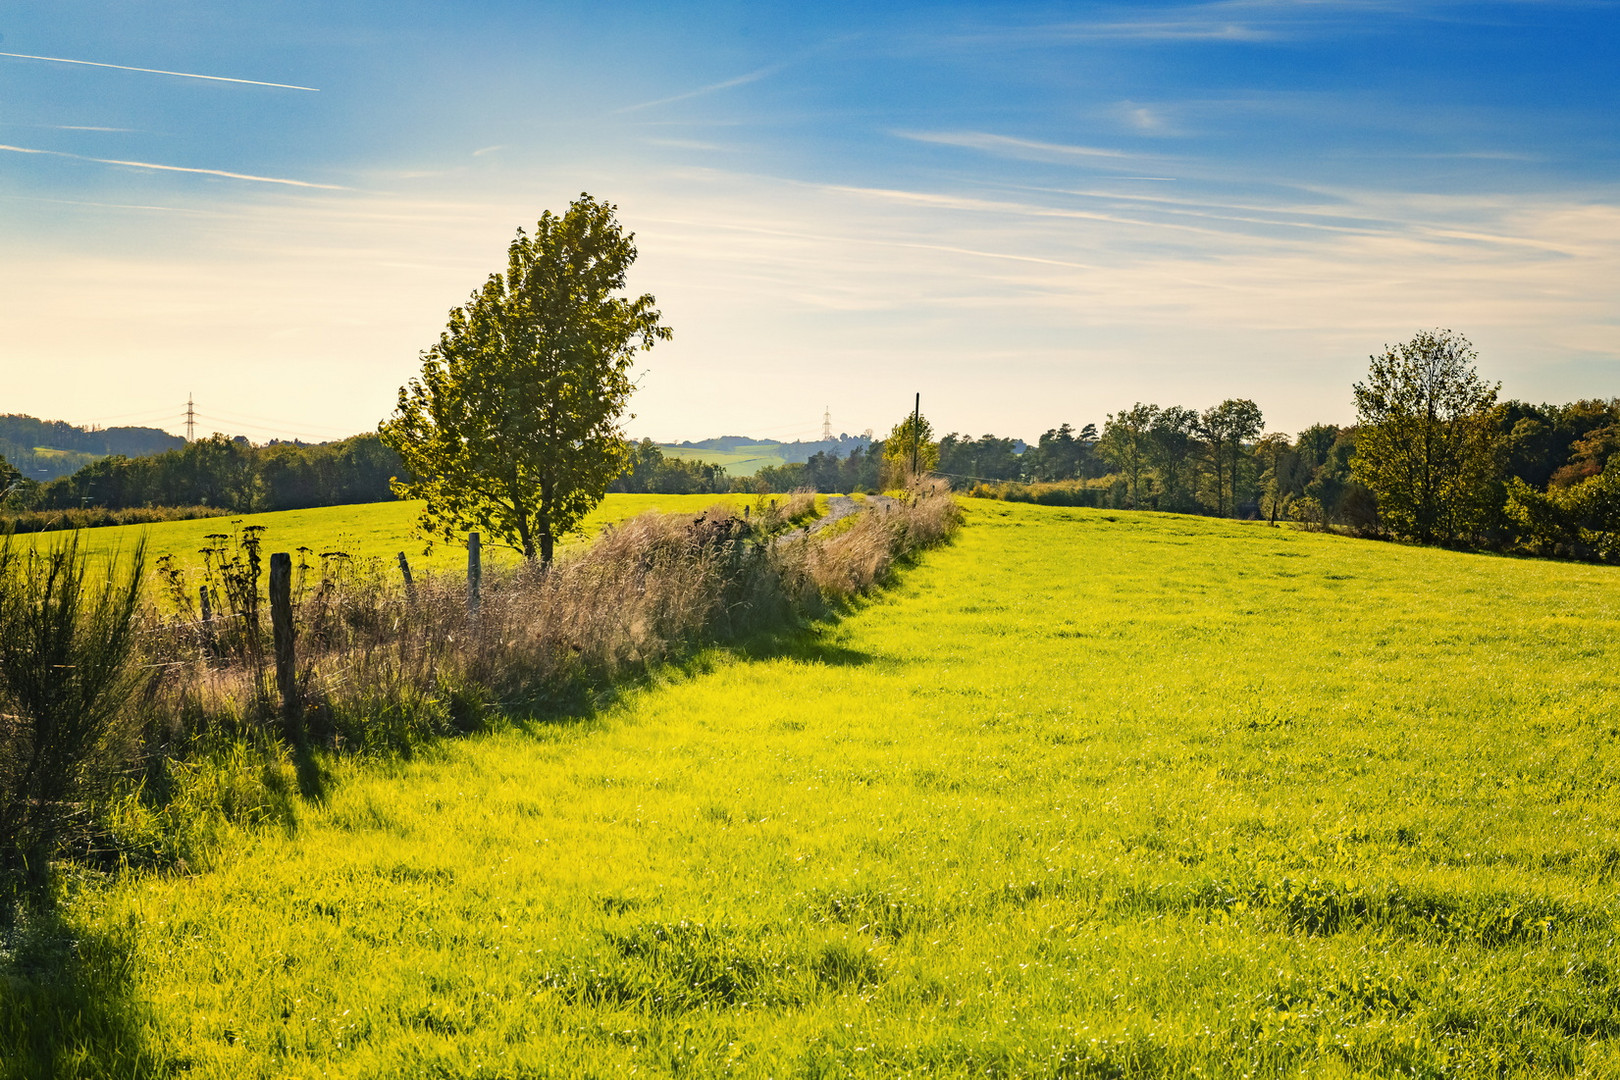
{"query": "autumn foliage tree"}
(513, 427)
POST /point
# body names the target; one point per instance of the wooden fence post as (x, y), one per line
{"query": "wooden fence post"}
(281, 625)
(475, 572)
(405, 569)
(207, 626)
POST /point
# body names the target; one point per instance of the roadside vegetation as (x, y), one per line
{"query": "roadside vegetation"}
(1084, 794)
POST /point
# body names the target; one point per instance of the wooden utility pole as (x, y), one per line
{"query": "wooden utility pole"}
(281, 625)
(475, 572)
(916, 432)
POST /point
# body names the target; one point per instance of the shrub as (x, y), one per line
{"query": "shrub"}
(32, 521)
(66, 679)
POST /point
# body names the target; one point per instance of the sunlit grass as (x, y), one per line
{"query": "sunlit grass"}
(363, 531)
(1086, 794)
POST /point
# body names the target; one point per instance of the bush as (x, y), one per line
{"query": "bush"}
(66, 680)
(32, 521)
(1104, 493)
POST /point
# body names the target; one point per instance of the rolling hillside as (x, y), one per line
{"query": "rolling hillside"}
(1086, 794)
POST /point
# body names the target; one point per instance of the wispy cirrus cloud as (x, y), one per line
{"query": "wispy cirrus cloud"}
(1092, 297)
(156, 167)
(1008, 145)
(741, 80)
(685, 144)
(160, 71)
(1237, 22)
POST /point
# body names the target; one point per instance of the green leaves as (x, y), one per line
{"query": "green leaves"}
(513, 427)
(1427, 444)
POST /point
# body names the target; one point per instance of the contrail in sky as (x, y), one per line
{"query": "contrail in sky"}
(741, 80)
(160, 71)
(176, 168)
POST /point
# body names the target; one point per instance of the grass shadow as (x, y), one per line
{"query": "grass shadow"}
(67, 1001)
(312, 775)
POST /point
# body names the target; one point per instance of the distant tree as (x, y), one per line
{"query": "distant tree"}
(1062, 453)
(1124, 444)
(1226, 428)
(1314, 445)
(1172, 440)
(1589, 455)
(911, 441)
(652, 471)
(1582, 518)
(788, 477)
(1283, 476)
(10, 479)
(513, 428)
(1428, 437)
(966, 461)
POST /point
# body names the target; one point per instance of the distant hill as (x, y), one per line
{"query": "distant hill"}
(744, 455)
(46, 449)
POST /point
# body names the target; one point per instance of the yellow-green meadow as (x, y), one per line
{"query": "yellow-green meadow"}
(364, 531)
(1084, 794)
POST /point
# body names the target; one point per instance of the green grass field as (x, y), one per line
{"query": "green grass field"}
(745, 460)
(364, 531)
(1086, 794)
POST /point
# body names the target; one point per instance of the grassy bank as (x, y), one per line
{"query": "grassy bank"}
(1086, 794)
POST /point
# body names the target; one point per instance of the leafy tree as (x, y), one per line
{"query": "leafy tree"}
(1062, 454)
(10, 479)
(1428, 437)
(1583, 517)
(652, 471)
(1225, 428)
(513, 428)
(1172, 438)
(910, 442)
(1124, 444)
(965, 461)
(1284, 477)
(1314, 445)
(1589, 455)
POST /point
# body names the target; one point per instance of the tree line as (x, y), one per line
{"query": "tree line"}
(1433, 457)
(43, 450)
(227, 473)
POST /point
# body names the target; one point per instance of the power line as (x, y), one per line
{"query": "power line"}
(248, 418)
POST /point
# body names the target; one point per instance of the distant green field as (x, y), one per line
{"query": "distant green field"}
(1088, 794)
(364, 531)
(745, 460)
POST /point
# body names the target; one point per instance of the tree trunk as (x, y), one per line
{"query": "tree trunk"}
(545, 548)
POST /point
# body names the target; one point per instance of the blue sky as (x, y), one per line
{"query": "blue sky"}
(1031, 213)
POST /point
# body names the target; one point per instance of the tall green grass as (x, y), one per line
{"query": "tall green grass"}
(1084, 795)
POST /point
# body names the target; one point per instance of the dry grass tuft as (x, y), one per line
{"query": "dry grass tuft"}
(382, 666)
